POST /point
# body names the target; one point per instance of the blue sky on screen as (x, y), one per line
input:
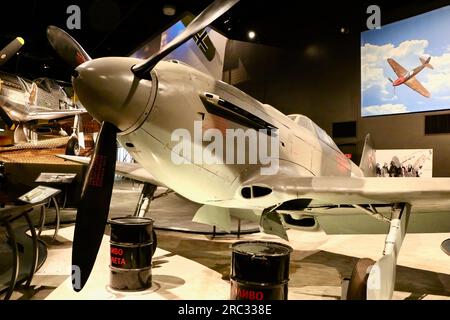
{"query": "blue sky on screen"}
(406, 41)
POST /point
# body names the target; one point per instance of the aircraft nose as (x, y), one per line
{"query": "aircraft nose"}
(110, 92)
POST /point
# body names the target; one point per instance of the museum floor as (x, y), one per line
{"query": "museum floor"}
(194, 266)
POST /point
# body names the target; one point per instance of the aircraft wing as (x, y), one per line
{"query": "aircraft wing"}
(130, 170)
(414, 84)
(355, 190)
(51, 115)
(398, 69)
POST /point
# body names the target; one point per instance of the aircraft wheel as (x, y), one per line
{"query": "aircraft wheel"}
(155, 242)
(357, 288)
(72, 147)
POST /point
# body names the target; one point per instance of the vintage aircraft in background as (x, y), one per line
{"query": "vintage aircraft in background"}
(26, 107)
(142, 102)
(409, 77)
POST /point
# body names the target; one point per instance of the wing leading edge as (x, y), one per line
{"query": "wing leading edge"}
(130, 170)
(414, 84)
(398, 69)
(358, 190)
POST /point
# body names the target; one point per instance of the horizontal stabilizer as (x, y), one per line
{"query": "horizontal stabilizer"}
(426, 62)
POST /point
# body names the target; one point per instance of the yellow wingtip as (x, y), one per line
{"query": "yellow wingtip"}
(21, 40)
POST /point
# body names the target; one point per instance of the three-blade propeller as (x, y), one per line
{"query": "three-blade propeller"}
(93, 209)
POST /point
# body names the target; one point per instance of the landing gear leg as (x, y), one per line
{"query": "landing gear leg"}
(143, 205)
(381, 282)
(21, 133)
(146, 197)
(379, 278)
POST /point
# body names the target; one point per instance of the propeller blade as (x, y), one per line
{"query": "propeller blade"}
(66, 46)
(11, 49)
(93, 209)
(205, 18)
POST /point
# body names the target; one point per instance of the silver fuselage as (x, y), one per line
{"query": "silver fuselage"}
(24, 100)
(171, 100)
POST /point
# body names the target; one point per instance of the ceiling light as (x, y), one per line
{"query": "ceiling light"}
(169, 10)
(251, 35)
(344, 30)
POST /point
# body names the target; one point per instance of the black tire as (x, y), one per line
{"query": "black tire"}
(155, 242)
(357, 288)
(72, 147)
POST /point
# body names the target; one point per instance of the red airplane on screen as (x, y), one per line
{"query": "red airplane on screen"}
(409, 77)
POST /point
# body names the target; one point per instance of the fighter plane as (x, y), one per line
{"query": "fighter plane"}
(409, 77)
(24, 104)
(142, 103)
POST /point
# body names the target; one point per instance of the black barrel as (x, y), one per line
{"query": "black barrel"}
(259, 270)
(131, 253)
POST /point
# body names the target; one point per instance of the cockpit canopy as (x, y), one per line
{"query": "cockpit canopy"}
(302, 121)
(309, 125)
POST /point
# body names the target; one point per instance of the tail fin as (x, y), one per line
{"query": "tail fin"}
(368, 161)
(426, 62)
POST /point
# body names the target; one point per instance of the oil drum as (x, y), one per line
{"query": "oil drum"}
(259, 270)
(131, 253)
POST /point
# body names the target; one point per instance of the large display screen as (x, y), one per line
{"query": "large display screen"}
(405, 66)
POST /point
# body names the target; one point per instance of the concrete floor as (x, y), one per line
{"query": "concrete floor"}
(190, 266)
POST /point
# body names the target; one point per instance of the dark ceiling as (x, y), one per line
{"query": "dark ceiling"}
(117, 27)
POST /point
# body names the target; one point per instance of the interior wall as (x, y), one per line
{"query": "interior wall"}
(322, 81)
